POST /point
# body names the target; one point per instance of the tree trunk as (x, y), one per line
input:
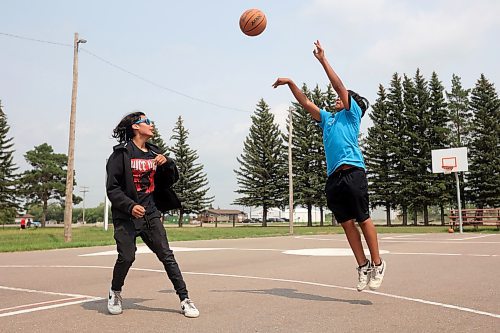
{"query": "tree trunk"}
(388, 214)
(44, 212)
(321, 217)
(426, 215)
(181, 215)
(309, 215)
(442, 214)
(264, 216)
(415, 217)
(405, 215)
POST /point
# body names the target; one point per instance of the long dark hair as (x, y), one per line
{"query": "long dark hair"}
(362, 102)
(123, 132)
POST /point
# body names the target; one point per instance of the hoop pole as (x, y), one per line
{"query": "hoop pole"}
(459, 203)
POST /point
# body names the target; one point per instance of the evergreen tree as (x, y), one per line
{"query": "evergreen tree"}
(262, 173)
(397, 139)
(192, 185)
(308, 155)
(484, 155)
(460, 125)
(459, 113)
(47, 179)
(8, 204)
(378, 155)
(424, 130)
(158, 141)
(439, 190)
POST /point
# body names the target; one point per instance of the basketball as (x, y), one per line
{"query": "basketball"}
(451, 230)
(253, 22)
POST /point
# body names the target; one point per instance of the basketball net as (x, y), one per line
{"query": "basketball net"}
(447, 169)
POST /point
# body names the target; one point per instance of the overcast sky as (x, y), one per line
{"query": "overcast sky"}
(189, 59)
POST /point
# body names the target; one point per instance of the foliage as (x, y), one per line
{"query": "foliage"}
(192, 186)
(484, 155)
(47, 178)
(262, 173)
(8, 201)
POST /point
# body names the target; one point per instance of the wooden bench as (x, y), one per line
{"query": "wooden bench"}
(475, 217)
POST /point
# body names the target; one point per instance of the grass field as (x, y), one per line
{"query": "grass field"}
(13, 239)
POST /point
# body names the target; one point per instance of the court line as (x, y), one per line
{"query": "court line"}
(411, 299)
(77, 299)
(382, 240)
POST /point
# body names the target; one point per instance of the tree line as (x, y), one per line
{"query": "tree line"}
(410, 118)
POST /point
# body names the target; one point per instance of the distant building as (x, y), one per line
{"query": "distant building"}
(24, 216)
(221, 215)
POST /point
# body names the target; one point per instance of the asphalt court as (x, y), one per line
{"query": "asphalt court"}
(434, 282)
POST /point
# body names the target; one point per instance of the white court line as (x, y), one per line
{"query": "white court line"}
(144, 249)
(74, 297)
(416, 300)
(445, 254)
(382, 240)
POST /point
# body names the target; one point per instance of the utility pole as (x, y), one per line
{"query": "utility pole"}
(84, 190)
(68, 207)
(290, 169)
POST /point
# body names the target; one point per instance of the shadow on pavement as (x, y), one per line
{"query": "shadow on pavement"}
(292, 293)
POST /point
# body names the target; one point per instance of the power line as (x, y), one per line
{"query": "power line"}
(160, 86)
(157, 85)
(35, 40)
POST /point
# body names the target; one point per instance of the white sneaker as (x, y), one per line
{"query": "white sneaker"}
(377, 275)
(364, 274)
(188, 309)
(114, 302)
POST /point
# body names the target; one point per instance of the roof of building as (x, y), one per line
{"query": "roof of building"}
(223, 211)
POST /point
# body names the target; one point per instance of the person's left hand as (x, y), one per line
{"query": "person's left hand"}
(318, 52)
(160, 159)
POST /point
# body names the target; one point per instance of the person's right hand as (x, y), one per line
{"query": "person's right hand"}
(138, 211)
(318, 52)
(281, 81)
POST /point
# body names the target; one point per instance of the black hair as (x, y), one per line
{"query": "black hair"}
(362, 102)
(123, 132)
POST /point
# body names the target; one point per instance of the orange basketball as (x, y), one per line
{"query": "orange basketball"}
(253, 22)
(451, 230)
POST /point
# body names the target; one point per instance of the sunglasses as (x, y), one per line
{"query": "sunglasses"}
(144, 120)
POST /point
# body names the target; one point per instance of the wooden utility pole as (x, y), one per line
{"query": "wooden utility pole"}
(290, 169)
(84, 190)
(68, 207)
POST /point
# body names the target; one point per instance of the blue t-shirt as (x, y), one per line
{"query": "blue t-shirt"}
(340, 137)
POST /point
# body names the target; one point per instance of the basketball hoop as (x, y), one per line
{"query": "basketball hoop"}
(447, 169)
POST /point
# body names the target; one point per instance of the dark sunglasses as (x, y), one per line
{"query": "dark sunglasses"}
(144, 120)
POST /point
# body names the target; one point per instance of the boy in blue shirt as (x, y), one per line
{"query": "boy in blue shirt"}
(347, 187)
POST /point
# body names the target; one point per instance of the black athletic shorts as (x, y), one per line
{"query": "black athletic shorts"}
(347, 195)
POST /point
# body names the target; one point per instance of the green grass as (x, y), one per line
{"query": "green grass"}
(13, 239)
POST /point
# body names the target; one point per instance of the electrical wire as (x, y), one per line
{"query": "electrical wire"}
(157, 85)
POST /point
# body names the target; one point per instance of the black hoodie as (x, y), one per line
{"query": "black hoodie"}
(120, 183)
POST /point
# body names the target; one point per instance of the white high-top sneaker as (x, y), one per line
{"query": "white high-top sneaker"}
(377, 275)
(188, 308)
(364, 274)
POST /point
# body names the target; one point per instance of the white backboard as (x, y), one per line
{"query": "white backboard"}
(453, 158)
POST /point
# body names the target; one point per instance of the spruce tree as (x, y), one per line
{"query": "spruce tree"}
(158, 141)
(459, 113)
(192, 186)
(397, 139)
(8, 202)
(263, 170)
(439, 190)
(460, 125)
(308, 156)
(378, 155)
(484, 155)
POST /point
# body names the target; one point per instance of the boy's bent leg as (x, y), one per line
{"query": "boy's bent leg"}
(156, 239)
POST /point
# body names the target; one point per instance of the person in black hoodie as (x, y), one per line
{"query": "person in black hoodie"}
(139, 181)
